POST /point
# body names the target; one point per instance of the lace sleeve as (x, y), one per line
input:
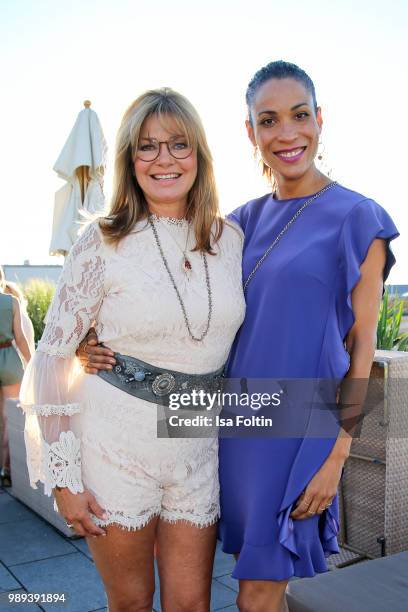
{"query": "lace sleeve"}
(48, 392)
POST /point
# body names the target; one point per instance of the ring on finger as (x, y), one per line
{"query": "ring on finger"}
(310, 512)
(69, 525)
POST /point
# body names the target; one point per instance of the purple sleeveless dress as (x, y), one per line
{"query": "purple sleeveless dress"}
(298, 315)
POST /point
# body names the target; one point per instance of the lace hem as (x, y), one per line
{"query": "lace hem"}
(131, 523)
(50, 409)
(198, 520)
(63, 464)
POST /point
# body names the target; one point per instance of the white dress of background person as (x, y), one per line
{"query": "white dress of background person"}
(28, 330)
(81, 164)
(26, 323)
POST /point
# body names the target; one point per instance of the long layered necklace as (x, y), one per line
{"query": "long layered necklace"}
(187, 264)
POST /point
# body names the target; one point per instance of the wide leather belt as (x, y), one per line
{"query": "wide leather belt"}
(4, 345)
(154, 384)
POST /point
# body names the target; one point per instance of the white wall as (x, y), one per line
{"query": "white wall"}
(23, 274)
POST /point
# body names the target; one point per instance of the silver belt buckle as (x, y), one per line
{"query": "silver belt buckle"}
(163, 384)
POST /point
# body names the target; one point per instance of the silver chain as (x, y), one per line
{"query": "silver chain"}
(183, 308)
(284, 230)
(170, 220)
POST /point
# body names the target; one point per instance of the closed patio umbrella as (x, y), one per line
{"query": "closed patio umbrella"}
(81, 164)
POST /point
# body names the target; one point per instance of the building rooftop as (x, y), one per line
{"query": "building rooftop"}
(36, 558)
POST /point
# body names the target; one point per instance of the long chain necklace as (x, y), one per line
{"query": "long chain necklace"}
(180, 300)
(186, 265)
(284, 230)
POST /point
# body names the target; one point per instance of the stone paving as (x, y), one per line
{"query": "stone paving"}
(36, 558)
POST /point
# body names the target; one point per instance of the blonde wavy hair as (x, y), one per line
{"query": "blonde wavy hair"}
(128, 204)
(13, 289)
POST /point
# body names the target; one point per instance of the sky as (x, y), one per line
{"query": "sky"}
(56, 54)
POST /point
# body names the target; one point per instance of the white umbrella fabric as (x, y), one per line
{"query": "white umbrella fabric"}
(81, 164)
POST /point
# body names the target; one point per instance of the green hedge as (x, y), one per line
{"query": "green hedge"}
(39, 294)
(389, 321)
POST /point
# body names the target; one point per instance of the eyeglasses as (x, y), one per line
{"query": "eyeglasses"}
(178, 147)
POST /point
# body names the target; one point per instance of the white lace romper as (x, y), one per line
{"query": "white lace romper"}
(82, 432)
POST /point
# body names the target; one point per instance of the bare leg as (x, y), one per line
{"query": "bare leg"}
(125, 562)
(262, 596)
(185, 556)
(8, 392)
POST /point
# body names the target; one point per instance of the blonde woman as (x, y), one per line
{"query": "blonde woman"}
(11, 367)
(161, 277)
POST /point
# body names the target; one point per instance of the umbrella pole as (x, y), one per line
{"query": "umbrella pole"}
(83, 176)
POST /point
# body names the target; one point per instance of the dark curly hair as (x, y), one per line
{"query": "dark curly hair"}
(278, 70)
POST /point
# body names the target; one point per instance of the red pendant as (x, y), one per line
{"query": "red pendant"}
(187, 264)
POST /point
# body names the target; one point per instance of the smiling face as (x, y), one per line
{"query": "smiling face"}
(286, 127)
(165, 181)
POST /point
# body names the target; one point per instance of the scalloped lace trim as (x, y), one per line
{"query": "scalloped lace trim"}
(50, 409)
(131, 523)
(63, 464)
(191, 518)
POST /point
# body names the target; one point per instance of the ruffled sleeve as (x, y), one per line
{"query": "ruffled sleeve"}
(366, 221)
(236, 217)
(47, 391)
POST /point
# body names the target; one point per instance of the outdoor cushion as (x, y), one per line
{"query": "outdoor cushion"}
(378, 585)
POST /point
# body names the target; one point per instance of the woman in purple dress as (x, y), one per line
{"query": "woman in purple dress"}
(312, 309)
